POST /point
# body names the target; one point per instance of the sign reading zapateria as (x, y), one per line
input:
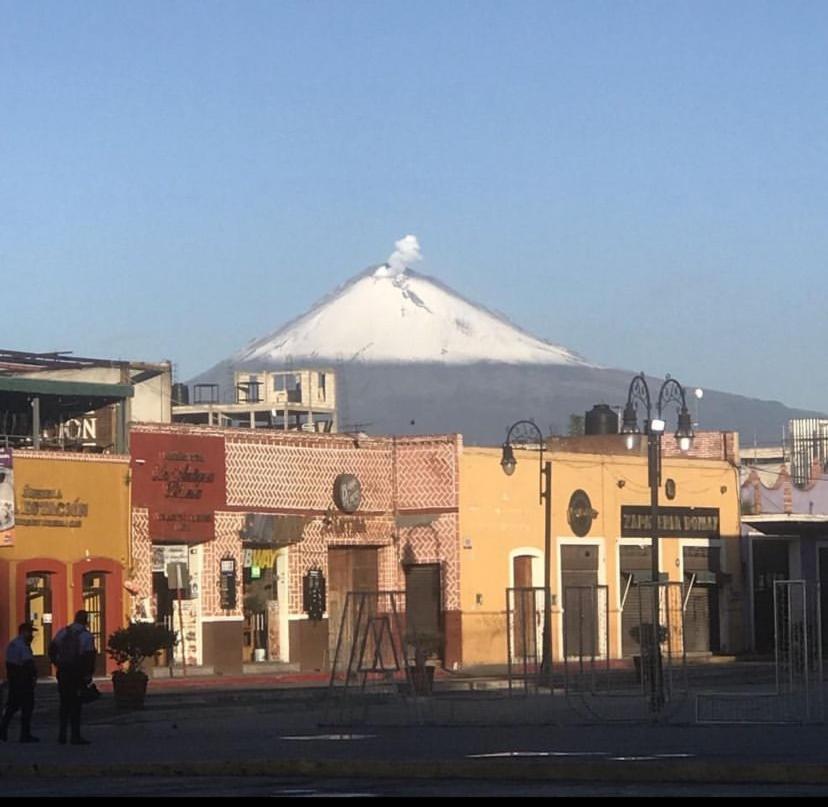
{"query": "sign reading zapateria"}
(675, 522)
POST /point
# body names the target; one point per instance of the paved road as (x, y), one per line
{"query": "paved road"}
(370, 788)
(477, 743)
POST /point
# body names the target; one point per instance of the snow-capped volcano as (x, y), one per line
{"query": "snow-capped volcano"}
(412, 356)
(387, 315)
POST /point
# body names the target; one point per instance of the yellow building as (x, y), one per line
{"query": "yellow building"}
(68, 547)
(600, 508)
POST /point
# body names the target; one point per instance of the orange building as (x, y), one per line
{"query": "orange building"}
(599, 538)
(68, 547)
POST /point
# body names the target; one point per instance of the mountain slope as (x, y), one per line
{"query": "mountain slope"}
(413, 357)
(382, 317)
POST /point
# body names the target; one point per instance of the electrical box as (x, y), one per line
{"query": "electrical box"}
(313, 590)
(227, 584)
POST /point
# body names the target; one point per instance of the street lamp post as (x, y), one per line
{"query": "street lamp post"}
(671, 392)
(525, 431)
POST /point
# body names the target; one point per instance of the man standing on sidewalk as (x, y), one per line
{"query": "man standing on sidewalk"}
(21, 676)
(72, 651)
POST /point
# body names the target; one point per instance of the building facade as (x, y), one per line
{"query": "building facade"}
(248, 542)
(67, 546)
(599, 542)
(785, 537)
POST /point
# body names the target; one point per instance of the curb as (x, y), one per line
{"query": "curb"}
(657, 771)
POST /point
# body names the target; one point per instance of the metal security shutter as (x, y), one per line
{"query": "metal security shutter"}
(579, 568)
(701, 619)
(635, 561)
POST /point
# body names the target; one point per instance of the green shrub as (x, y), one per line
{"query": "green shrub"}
(138, 641)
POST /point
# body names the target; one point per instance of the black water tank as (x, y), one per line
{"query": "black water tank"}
(180, 395)
(601, 419)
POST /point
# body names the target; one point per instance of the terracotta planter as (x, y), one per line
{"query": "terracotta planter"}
(129, 689)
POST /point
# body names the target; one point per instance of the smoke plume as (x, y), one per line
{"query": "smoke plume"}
(407, 252)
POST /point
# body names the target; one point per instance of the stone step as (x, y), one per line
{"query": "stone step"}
(269, 668)
(193, 671)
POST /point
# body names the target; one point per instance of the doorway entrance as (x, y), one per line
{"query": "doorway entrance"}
(770, 563)
(349, 569)
(579, 572)
(94, 603)
(422, 607)
(39, 613)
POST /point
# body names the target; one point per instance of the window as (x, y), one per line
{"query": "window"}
(285, 382)
(321, 386)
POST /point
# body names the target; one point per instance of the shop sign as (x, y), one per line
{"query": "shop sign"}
(259, 558)
(346, 526)
(164, 555)
(263, 529)
(673, 522)
(180, 479)
(76, 430)
(6, 498)
(48, 507)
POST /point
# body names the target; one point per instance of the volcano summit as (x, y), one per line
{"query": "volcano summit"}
(412, 356)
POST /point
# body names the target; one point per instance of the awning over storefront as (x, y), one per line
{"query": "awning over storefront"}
(270, 530)
(792, 524)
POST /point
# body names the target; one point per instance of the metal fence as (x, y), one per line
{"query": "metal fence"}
(524, 637)
(797, 693)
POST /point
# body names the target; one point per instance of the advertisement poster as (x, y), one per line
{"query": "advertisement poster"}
(6, 498)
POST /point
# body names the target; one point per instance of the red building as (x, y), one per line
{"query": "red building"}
(236, 534)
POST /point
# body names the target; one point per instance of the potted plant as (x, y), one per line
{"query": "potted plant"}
(129, 647)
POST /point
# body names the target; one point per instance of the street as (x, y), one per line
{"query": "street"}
(289, 742)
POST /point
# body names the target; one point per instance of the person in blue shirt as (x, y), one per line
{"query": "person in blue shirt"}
(73, 652)
(21, 676)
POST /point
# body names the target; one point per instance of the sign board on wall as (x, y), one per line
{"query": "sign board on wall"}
(180, 479)
(673, 522)
(6, 498)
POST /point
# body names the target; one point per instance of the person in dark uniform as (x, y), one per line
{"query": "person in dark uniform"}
(73, 652)
(21, 676)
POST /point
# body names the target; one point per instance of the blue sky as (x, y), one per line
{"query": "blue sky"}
(643, 182)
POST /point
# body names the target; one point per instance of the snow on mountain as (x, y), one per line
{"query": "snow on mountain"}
(393, 316)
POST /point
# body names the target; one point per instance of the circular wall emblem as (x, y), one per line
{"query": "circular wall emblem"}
(580, 513)
(670, 488)
(347, 492)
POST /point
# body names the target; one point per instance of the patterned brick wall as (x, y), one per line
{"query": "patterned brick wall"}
(141, 561)
(433, 543)
(279, 477)
(426, 474)
(278, 472)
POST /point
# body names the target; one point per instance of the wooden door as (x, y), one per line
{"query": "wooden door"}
(350, 569)
(525, 618)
